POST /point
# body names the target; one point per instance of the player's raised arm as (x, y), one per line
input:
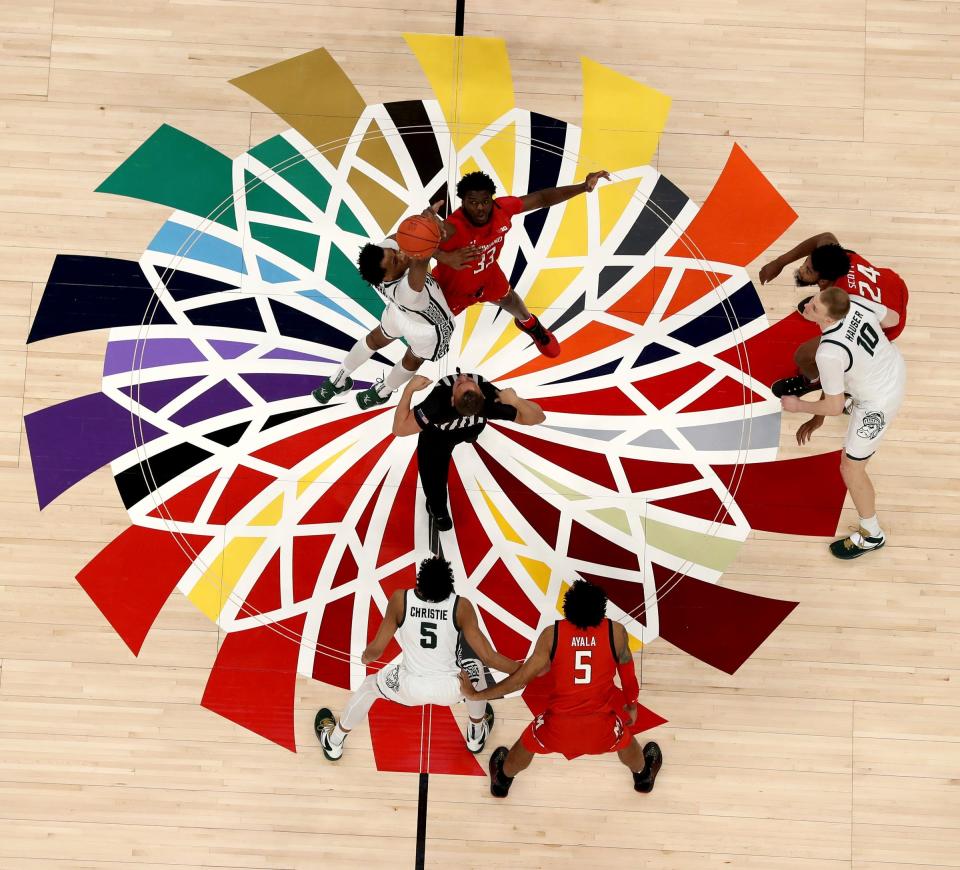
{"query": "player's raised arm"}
(404, 421)
(388, 628)
(467, 620)
(528, 413)
(800, 252)
(536, 664)
(555, 195)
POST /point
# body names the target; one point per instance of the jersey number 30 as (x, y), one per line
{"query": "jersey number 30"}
(583, 670)
(428, 635)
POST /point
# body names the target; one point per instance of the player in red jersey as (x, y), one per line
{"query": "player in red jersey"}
(467, 269)
(587, 713)
(826, 263)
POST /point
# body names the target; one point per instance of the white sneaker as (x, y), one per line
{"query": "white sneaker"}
(478, 732)
(323, 724)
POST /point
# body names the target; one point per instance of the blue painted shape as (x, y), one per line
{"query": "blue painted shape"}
(174, 238)
(653, 353)
(605, 369)
(734, 312)
(317, 296)
(273, 274)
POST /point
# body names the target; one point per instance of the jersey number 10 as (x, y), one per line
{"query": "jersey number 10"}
(867, 338)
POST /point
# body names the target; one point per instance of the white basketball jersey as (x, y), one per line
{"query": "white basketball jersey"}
(428, 636)
(873, 368)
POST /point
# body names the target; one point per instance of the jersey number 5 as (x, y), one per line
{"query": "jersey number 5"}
(428, 635)
(582, 669)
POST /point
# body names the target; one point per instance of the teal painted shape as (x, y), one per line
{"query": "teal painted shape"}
(298, 246)
(263, 198)
(293, 167)
(343, 275)
(172, 168)
(348, 221)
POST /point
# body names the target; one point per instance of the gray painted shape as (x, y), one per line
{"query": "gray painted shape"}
(734, 434)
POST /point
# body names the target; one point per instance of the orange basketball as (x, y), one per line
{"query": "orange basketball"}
(418, 236)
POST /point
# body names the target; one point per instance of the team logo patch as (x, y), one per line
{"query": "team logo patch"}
(393, 678)
(873, 424)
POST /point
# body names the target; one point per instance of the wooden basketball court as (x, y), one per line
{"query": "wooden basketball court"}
(828, 741)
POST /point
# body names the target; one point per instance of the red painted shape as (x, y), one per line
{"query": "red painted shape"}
(128, 588)
(265, 594)
(542, 515)
(347, 570)
(666, 388)
(606, 401)
(741, 218)
(797, 496)
(644, 475)
(694, 284)
(769, 354)
(296, 448)
(628, 596)
(364, 522)
(591, 338)
(398, 534)
(719, 626)
(419, 740)
(253, 680)
(374, 618)
(588, 546)
(505, 639)
(184, 506)
(726, 394)
(331, 663)
(637, 303)
(244, 485)
(585, 463)
(704, 504)
(333, 505)
(471, 538)
(502, 587)
(309, 553)
(405, 578)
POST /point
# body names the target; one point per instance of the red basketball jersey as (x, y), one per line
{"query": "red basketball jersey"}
(879, 285)
(584, 663)
(489, 238)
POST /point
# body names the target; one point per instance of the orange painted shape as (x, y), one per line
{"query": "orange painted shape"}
(593, 337)
(637, 303)
(742, 217)
(694, 285)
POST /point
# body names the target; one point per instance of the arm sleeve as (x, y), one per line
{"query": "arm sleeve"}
(628, 681)
(832, 361)
(492, 409)
(427, 411)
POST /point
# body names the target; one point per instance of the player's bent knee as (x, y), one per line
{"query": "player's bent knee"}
(411, 362)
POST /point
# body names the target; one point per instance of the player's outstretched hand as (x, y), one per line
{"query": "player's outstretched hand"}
(433, 210)
(460, 258)
(631, 711)
(591, 180)
(805, 432)
(770, 271)
(466, 686)
(791, 404)
(418, 382)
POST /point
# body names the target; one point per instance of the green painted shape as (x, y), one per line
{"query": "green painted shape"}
(294, 168)
(296, 245)
(613, 517)
(263, 198)
(172, 168)
(707, 550)
(343, 275)
(556, 486)
(348, 221)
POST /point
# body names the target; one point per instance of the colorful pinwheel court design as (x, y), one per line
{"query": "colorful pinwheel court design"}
(289, 524)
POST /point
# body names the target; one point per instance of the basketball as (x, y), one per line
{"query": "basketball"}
(418, 236)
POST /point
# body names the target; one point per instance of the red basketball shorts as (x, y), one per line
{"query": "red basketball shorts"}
(465, 289)
(572, 736)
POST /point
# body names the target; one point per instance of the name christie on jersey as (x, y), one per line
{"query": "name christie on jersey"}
(428, 613)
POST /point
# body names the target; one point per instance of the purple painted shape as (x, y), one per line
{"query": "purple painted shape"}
(125, 356)
(156, 394)
(220, 399)
(73, 439)
(230, 349)
(274, 388)
(283, 353)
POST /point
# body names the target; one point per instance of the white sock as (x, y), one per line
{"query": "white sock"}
(397, 377)
(338, 735)
(356, 357)
(474, 730)
(871, 525)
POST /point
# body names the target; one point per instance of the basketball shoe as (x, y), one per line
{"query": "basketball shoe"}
(370, 398)
(860, 542)
(441, 519)
(542, 337)
(798, 385)
(499, 783)
(478, 732)
(652, 761)
(323, 724)
(327, 390)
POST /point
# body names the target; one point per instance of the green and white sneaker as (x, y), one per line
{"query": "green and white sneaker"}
(370, 398)
(323, 724)
(857, 544)
(478, 732)
(326, 391)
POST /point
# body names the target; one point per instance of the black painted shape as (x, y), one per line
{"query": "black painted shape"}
(653, 353)
(518, 266)
(186, 285)
(661, 209)
(413, 122)
(278, 419)
(735, 311)
(605, 369)
(444, 194)
(609, 275)
(85, 293)
(237, 313)
(546, 159)
(570, 313)
(294, 323)
(140, 480)
(230, 435)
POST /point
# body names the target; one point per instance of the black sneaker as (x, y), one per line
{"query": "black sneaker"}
(326, 391)
(441, 519)
(499, 784)
(543, 338)
(857, 544)
(803, 304)
(324, 723)
(653, 760)
(486, 726)
(798, 385)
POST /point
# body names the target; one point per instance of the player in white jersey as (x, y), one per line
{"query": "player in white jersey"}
(416, 312)
(428, 621)
(854, 358)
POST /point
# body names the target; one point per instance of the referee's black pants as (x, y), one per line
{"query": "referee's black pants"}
(434, 452)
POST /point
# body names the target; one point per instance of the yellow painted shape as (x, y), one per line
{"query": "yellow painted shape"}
(213, 589)
(470, 77)
(622, 120)
(571, 238)
(556, 486)
(312, 94)
(382, 204)
(466, 167)
(312, 475)
(271, 514)
(470, 322)
(547, 288)
(634, 643)
(707, 550)
(375, 149)
(538, 571)
(563, 591)
(613, 517)
(613, 200)
(501, 152)
(508, 531)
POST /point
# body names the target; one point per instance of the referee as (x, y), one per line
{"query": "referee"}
(455, 412)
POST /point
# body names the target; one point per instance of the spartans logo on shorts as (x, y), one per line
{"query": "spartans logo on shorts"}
(873, 424)
(393, 678)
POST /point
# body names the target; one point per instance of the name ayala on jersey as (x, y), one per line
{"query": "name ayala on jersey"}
(583, 641)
